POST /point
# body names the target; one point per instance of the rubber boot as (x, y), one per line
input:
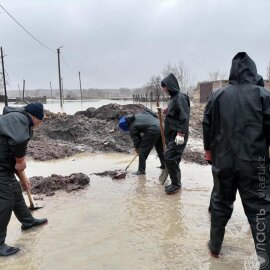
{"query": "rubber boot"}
(214, 253)
(171, 189)
(6, 250)
(36, 222)
(139, 172)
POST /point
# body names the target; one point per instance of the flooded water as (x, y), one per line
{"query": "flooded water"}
(72, 106)
(127, 224)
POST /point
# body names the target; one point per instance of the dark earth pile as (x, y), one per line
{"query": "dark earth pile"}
(47, 185)
(96, 130)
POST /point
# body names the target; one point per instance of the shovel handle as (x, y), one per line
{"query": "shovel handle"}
(130, 163)
(22, 176)
(161, 127)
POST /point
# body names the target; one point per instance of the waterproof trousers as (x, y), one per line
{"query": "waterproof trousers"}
(252, 180)
(150, 140)
(173, 155)
(11, 199)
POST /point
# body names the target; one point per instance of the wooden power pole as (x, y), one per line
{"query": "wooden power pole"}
(81, 86)
(4, 77)
(23, 91)
(59, 76)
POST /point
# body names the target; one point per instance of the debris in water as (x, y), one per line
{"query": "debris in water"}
(116, 174)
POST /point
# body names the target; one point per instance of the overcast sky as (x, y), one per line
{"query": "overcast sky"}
(123, 43)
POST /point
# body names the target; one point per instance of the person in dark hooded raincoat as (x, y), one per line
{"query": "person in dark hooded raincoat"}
(236, 130)
(145, 132)
(260, 82)
(15, 131)
(176, 130)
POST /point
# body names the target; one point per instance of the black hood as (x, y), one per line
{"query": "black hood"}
(172, 84)
(243, 69)
(259, 80)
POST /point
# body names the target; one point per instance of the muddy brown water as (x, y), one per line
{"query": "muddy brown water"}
(128, 223)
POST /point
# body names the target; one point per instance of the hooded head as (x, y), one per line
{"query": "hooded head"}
(243, 70)
(35, 109)
(171, 83)
(259, 80)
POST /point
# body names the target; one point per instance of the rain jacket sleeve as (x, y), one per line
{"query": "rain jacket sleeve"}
(265, 101)
(181, 120)
(207, 125)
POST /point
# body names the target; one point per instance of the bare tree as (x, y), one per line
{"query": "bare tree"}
(268, 71)
(181, 73)
(217, 75)
(154, 85)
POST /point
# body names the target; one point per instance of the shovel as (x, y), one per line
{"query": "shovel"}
(130, 162)
(22, 176)
(164, 175)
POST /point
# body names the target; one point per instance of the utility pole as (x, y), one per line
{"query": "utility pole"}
(63, 94)
(19, 91)
(23, 89)
(51, 91)
(4, 77)
(80, 86)
(59, 76)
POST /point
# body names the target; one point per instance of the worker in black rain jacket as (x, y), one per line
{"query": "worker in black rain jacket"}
(16, 126)
(260, 82)
(236, 130)
(145, 132)
(176, 130)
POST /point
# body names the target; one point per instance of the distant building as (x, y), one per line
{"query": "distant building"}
(205, 89)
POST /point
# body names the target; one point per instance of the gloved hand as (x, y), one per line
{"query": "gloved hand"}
(208, 156)
(164, 111)
(179, 139)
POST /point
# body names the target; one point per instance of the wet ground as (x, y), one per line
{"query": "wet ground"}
(127, 223)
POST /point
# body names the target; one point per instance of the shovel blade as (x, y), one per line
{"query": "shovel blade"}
(35, 207)
(164, 175)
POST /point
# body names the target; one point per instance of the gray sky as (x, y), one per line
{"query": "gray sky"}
(122, 43)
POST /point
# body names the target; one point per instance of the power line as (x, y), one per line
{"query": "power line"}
(64, 61)
(42, 44)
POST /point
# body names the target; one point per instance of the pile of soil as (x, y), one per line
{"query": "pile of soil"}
(47, 185)
(96, 130)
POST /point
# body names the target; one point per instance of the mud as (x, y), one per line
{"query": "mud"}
(116, 174)
(48, 185)
(96, 130)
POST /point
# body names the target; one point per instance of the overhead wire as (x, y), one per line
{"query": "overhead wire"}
(66, 64)
(37, 40)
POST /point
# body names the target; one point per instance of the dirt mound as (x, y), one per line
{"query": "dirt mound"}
(96, 130)
(47, 185)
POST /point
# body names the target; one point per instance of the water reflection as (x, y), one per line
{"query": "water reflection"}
(126, 224)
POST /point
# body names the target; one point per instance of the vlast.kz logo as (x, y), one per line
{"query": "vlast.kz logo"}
(254, 262)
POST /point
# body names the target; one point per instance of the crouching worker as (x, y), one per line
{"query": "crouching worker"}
(16, 126)
(145, 133)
